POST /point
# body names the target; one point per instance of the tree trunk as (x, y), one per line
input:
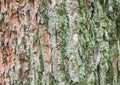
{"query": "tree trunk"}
(59, 42)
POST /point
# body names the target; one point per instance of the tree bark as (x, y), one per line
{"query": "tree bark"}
(59, 42)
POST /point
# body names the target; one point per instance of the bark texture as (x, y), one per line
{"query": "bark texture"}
(59, 42)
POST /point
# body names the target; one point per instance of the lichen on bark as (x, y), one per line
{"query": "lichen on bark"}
(59, 42)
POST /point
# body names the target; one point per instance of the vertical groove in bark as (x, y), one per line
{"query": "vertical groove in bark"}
(57, 30)
(72, 42)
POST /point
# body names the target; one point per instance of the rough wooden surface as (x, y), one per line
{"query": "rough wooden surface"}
(59, 42)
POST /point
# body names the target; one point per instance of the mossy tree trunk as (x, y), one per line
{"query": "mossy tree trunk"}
(59, 42)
